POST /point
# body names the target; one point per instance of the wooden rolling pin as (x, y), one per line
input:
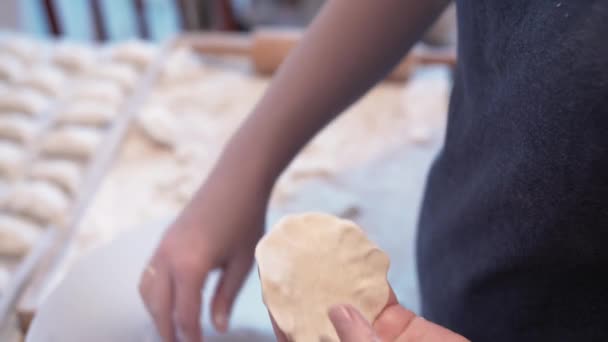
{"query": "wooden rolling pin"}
(268, 47)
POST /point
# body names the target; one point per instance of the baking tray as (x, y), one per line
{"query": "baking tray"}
(41, 268)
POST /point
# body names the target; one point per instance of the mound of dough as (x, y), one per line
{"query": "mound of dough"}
(73, 57)
(65, 173)
(310, 262)
(25, 48)
(121, 73)
(18, 128)
(25, 101)
(135, 52)
(72, 142)
(11, 68)
(41, 201)
(5, 279)
(158, 125)
(22, 100)
(88, 113)
(102, 91)
(12, 158)
(46, 78)
(17, 236)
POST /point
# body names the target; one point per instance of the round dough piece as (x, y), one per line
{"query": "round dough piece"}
(17, 236)
(12, 159)
(135, 52)
(46, 78)
(88, 113)
(310, 262)
(121, 73)
(103, 91)
(41, 201)
(18, 128)
(72, 142)
(73, 57)
(25, 101)
(11, 68)
(65, 173)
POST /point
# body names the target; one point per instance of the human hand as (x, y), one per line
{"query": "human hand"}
(394, 324)
(218, 229)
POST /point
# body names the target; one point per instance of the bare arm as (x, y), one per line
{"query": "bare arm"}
(350, 46)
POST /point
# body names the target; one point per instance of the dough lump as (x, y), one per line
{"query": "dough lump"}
(135, 52)
(65, 173)
(18, 128)
(159, 125)
(26, 101)
(88, 113)
(17, 236)
(122, 74)
(72, 142)
(41, 201)
(12, 158)
(310, 262)
(106, 91)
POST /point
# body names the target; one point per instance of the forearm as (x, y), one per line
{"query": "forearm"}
(351, 45)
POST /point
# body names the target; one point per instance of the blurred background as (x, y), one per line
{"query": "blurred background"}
(160, 19)
(112, 112)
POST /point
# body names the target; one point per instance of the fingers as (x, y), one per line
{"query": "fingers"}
(392, 322)
(421, 330)
(280, 335)
(350, 325)
(229, 285)
(157, 293)
(187, 309)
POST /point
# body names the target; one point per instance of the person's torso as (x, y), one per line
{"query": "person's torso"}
(513, 239)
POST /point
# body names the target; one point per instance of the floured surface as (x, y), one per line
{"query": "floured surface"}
(360, 163)
(310, 262)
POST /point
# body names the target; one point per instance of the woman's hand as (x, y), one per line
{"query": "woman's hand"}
(394, 324)
(218, 229)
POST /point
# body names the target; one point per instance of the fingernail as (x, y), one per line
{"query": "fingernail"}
(221, 321)
(340, 313)
(180, 336)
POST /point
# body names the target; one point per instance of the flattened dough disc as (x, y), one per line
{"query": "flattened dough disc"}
(310, 262)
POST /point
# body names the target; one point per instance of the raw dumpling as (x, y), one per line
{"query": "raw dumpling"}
(179, 65)
(12, 158)
(65, 173)
(158, 125)
(24, 101)
(49, 80)
(18, 128)
(73, 57)
(11, 68)
(22, 47)
(134, 52)
(41, 201)
(103, 91)
(17, 235)
(87, 113)
(72, 142)
(121, 73)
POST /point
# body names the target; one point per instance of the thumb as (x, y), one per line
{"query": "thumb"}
(350, 325)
